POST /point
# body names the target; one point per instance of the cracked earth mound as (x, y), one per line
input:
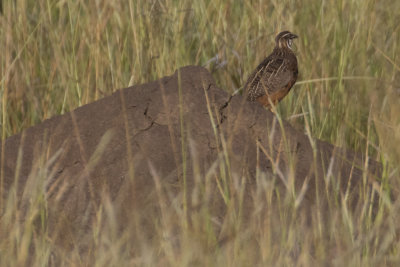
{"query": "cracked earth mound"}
(144, 148)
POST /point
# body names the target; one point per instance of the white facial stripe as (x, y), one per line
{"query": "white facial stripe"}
(289, 43)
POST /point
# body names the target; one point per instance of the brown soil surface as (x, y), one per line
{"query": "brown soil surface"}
(128, 148)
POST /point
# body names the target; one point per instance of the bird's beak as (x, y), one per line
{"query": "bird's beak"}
(293, 36)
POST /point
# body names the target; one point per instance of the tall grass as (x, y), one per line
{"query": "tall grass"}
(58, 55)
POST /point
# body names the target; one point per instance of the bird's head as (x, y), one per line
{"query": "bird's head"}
(285, 39)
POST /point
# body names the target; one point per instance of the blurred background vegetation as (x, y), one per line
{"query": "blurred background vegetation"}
(58, 55)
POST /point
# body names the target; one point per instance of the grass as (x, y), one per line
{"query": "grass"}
(59, 55)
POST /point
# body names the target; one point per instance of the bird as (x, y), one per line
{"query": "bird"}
(273, 78)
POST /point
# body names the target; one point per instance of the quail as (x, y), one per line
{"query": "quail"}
(273, 78)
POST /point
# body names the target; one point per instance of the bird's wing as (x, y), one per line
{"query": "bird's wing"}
(270, 76)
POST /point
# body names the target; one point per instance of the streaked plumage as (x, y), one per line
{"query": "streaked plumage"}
(275, 75)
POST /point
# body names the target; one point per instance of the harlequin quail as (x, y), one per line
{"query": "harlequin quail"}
(272, 80)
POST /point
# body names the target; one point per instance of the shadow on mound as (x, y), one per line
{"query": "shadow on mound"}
(177, 153)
